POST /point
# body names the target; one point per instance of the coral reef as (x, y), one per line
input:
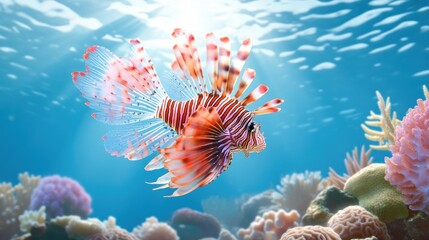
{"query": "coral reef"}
(310, 233)
(61, 196)
(298, 190)
(30, 219)
(375, 194)
(257, 205)
(13, 202)
(226, 235)
(357, 222)
(353, 164)
(151, 229)
(418, 226)
(77, 228)
(270, 226)
(191, 224)
(408, 168)
(326, 204)
(398, 230)
(386, 135)
(114, 234)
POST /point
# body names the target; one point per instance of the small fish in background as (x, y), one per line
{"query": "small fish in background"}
(196, 128)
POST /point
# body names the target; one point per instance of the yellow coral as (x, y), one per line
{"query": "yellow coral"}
(387, 124)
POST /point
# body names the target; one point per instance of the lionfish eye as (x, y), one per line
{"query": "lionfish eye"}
(252, 127)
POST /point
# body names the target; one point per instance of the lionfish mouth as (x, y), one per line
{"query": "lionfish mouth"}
(256, 149)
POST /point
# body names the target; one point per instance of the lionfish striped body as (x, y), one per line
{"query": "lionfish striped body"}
(194, 129)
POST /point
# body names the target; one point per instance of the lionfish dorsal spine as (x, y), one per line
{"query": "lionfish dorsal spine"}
(224, 64)
(237, 64)
(223, 70)
(187, 63)
(248, 76)
(212, 59)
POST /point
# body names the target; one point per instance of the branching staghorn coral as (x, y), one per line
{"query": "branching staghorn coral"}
(13, 202)
(298, 190)
(386, 135)
(353, 163)
(30, 219)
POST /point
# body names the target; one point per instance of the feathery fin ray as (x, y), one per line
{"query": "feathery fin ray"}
(125, 92)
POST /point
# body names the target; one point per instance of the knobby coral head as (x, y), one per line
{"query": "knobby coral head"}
(61, 196)
(408, 168)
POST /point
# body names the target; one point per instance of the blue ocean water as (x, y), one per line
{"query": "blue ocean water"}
(325, 58)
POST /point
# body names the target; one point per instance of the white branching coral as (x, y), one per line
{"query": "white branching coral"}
(385, 122)
(14, 200)
(353, 163)
(298, 190)
(31, 219)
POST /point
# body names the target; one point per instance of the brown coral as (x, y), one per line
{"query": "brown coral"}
(328, 202)
(270, 226)
(353, 163)
(13, 202)
(310, 233)
(357, 222)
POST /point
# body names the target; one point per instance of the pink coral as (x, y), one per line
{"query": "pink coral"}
(310, 233)
(61, 196)
(356, 222)
(270, 226)
(408, 168)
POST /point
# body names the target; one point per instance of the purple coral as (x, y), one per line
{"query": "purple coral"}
(61, 196)
(191, 224)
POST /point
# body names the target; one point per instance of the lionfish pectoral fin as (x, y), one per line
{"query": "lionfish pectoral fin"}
(199, 154)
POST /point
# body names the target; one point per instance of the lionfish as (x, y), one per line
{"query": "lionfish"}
(196, 127)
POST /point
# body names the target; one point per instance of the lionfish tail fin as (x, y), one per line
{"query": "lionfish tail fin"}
(124, 91)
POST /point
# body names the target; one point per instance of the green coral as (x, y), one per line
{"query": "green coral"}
(326, 204)
(376, 194)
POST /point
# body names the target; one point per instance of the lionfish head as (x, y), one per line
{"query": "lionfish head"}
(250, 138)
